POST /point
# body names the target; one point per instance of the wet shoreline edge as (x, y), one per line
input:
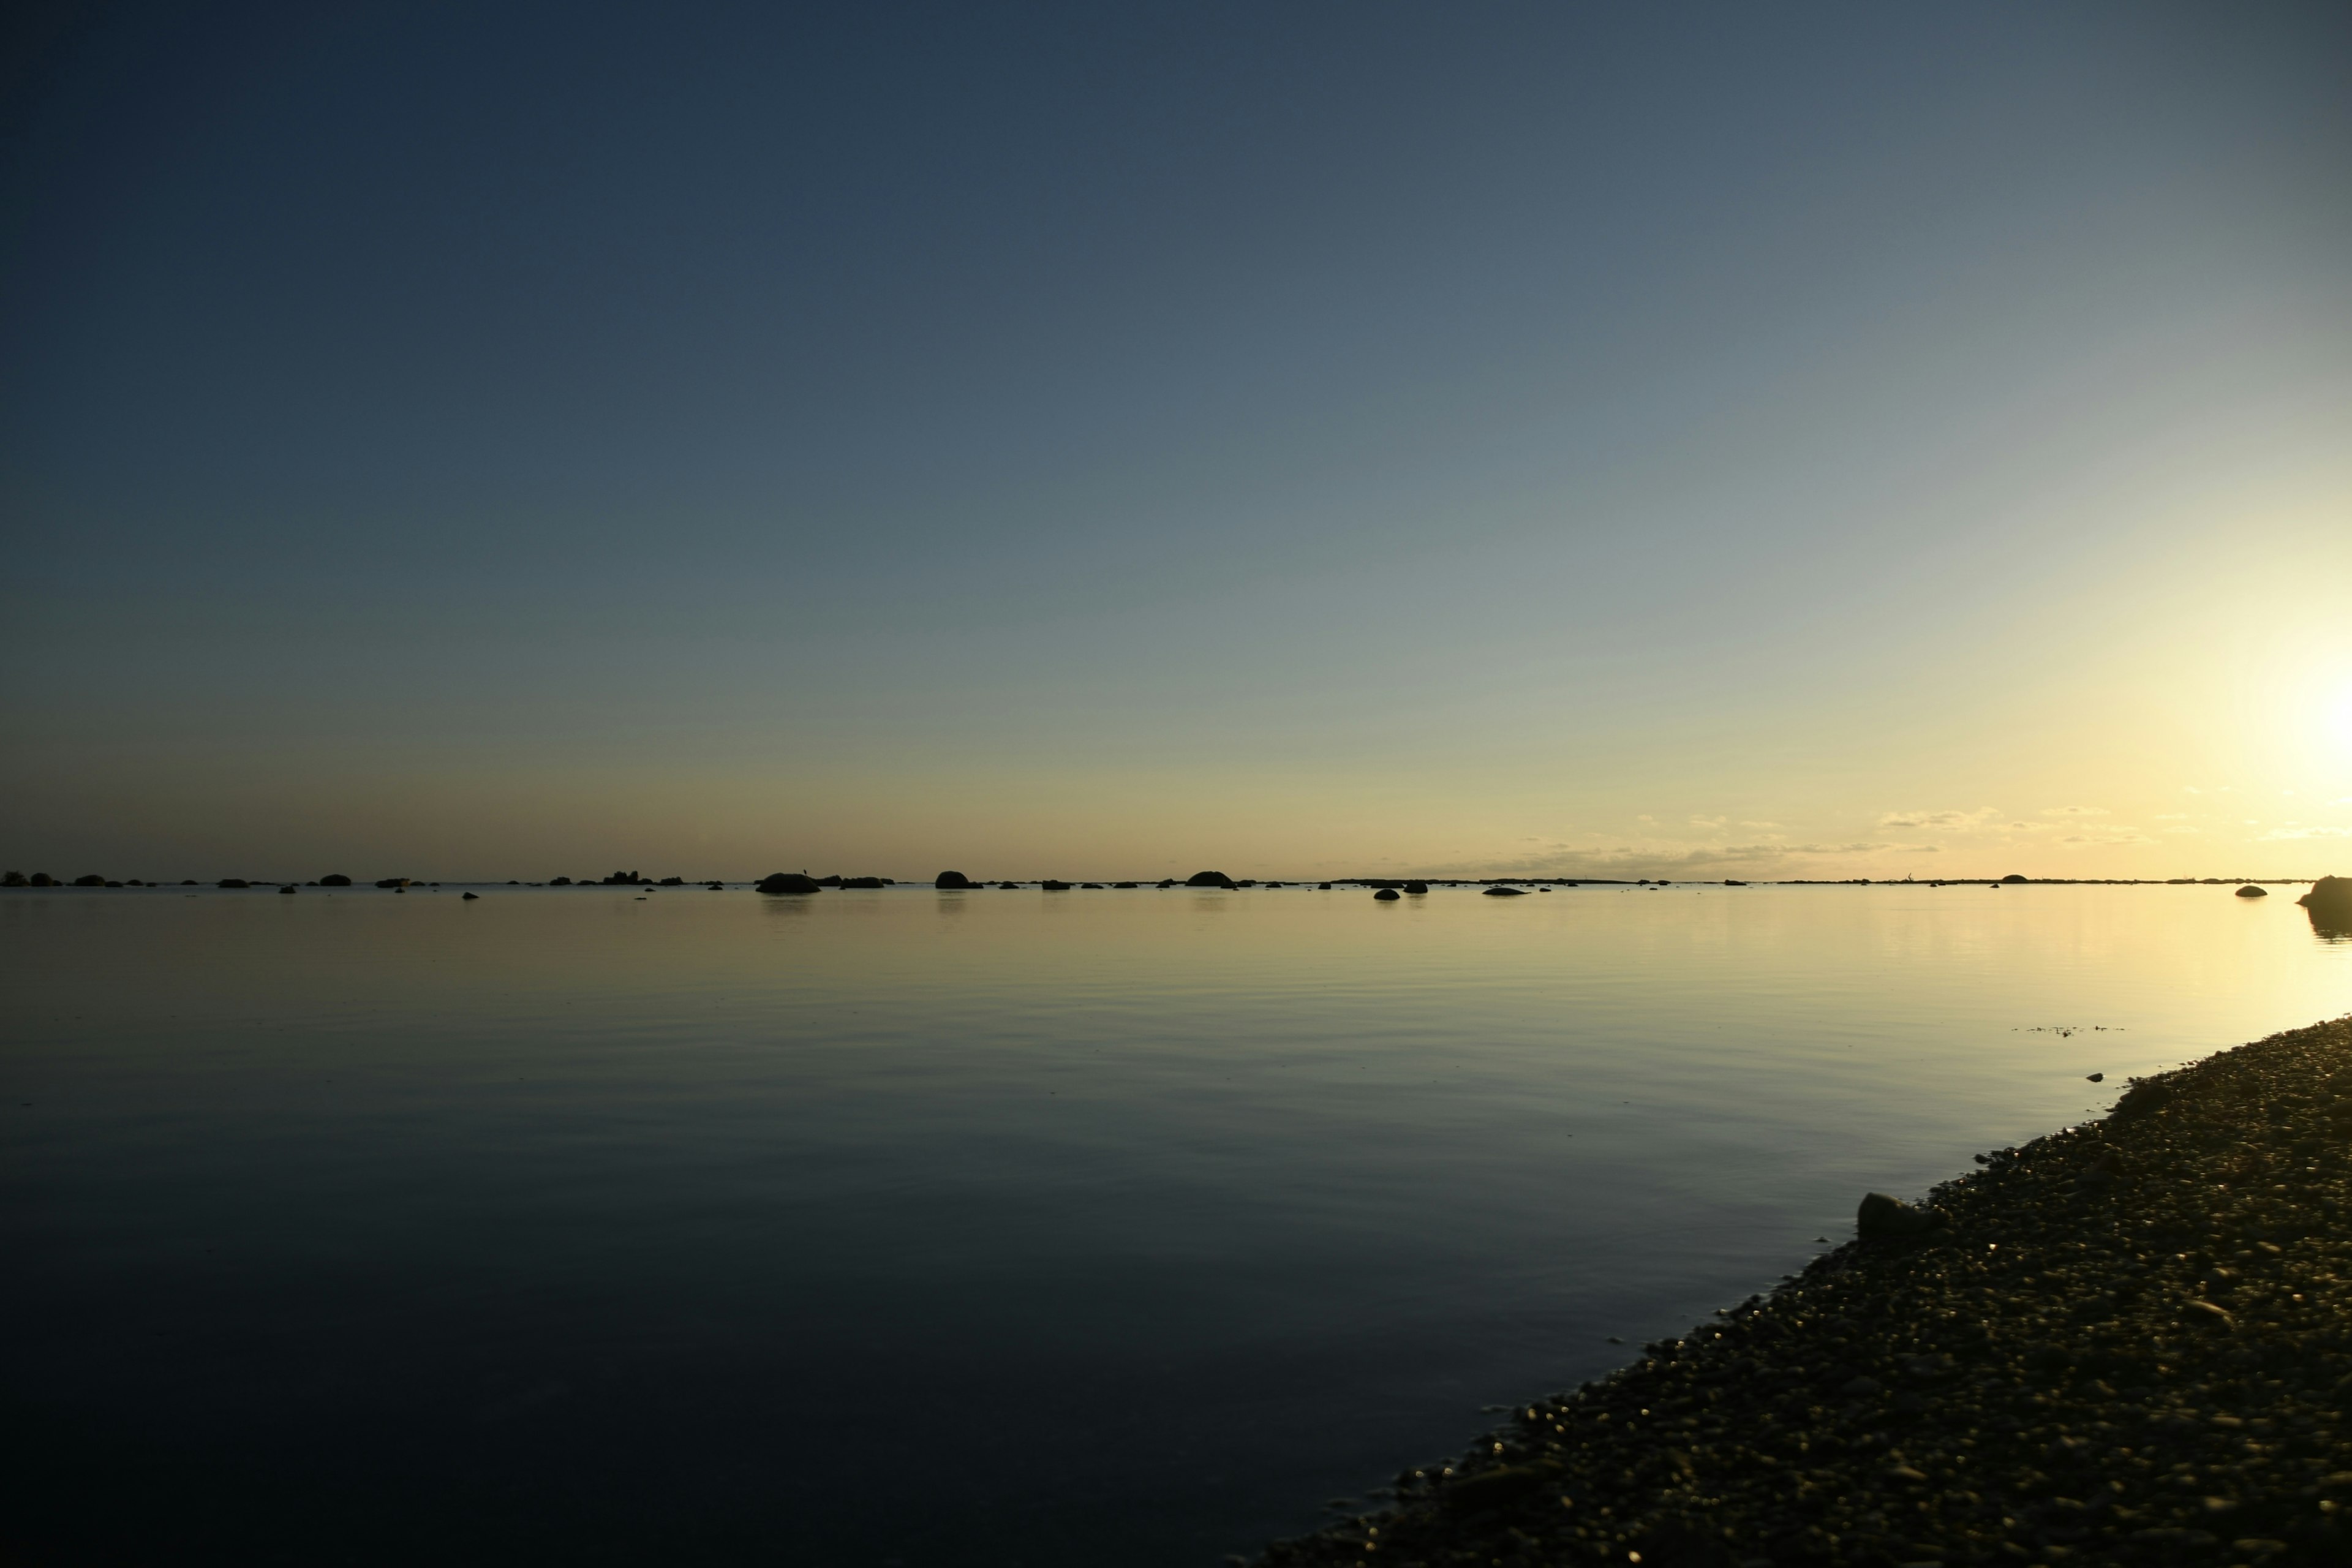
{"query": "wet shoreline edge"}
(2129, 1340)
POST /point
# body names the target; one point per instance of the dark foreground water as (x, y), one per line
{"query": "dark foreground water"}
(1001, 1227)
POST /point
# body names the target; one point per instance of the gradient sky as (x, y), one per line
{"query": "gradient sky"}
(524, 439)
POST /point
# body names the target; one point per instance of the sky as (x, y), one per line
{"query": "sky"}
(1307, 439)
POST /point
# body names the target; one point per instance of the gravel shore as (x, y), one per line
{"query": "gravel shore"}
(2129, 1342)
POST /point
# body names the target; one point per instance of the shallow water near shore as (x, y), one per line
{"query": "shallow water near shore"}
(994, 1227)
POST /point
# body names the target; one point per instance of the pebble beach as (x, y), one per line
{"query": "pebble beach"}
(2126, 1342)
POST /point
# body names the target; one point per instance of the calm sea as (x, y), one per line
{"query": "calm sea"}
(995, 1228)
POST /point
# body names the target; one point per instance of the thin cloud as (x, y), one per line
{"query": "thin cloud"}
(2076, 810)
(1963, 820)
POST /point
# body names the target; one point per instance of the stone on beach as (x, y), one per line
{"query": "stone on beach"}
(1881, 1216)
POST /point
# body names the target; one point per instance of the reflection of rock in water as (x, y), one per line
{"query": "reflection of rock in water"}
(2329, 904)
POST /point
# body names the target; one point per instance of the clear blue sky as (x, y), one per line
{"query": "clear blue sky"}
(1817, 440)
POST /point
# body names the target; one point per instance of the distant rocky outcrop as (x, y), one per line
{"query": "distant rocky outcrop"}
(2330, 902)
(386, 882)
(233, 882)
(1507, 892)
(334, 879)
(95, 881)
(1416, 886)
(1051, 886)
(1387, 895)
(559, 881)
(2013, 877)
(13, 879)
(43, 880)
(952, 879)
(2251, 892)
(788, 882)
(623, 879)
(1208, 879)
(865, 883)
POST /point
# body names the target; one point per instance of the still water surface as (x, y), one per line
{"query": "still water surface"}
(989, 1228)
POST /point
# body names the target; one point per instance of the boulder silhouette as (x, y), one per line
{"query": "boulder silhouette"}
(1416, 886)
(95, 881)
(952, 879)
(2013, 877)
(1051, 886)
(1507, 892)
(1388, 895)
(2251, 892)
(334, 879)
(787, 882)
(865, 881)
(234, 882)
(2330, 902)
(1208, 879)
(1882, 1217)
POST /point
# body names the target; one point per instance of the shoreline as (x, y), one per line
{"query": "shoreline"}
(2125, 1342)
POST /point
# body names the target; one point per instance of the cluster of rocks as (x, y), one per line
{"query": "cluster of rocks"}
(2127, 1343)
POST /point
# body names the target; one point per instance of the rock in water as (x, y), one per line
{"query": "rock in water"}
(1416, 886)
(2251, 892)
(787, 882)
(1388, 895)
(952, 879)
(2330, 902)
(1208, 879)
(1051, 886)
(467, 898)
(334, 879)
(1882, 1217)
(1507, 892)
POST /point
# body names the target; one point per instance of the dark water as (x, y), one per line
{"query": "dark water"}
(982, 1228)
